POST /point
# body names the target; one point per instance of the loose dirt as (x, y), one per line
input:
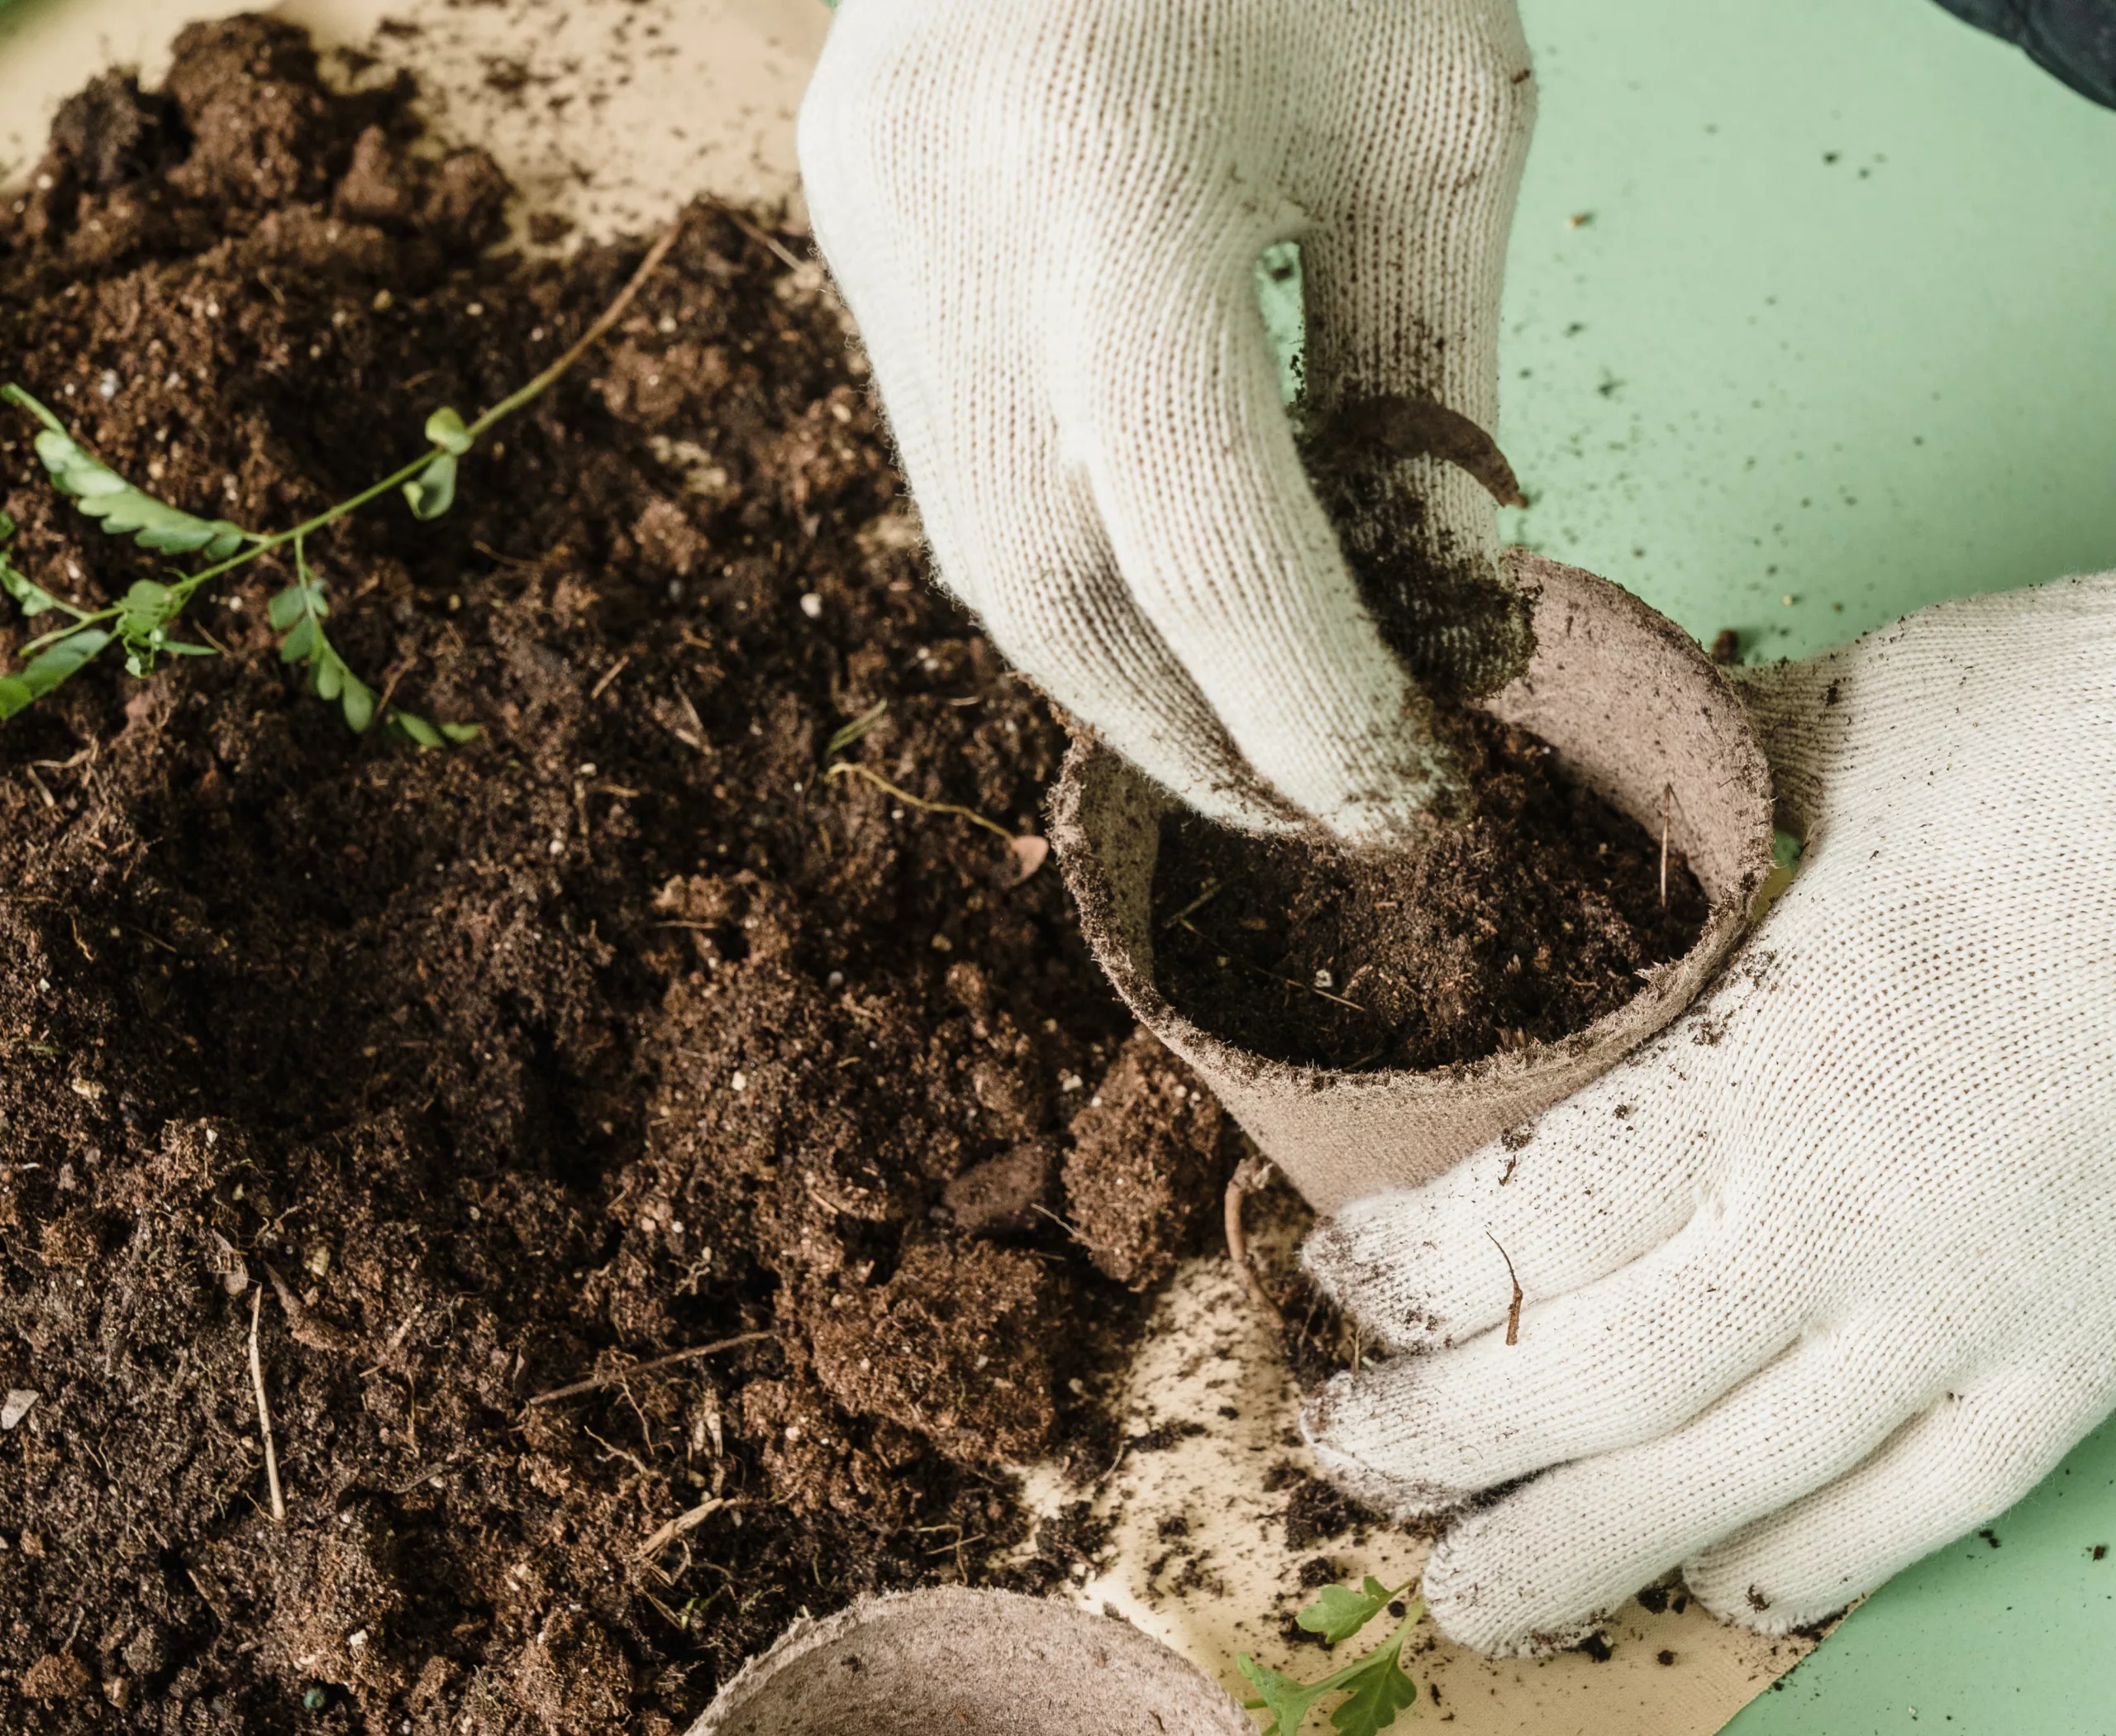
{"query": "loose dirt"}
(622, 1030)
(1523, 923)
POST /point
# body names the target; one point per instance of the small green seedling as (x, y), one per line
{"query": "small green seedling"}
(1375, 1688)
(141, 624)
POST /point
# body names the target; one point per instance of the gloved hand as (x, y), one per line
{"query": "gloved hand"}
(1821, 1279)
(1046, 216)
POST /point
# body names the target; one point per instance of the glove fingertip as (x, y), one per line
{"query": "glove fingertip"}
(1332, 1422)
(1753, 1606)
(1357, 1262)
(1467, 1592)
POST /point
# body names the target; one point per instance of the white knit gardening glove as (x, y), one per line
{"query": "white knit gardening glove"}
(1823, 1278)
(1046, 216)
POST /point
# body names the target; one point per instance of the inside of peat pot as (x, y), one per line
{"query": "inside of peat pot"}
(1522, 923)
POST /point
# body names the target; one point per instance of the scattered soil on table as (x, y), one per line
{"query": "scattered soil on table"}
(1315, 1513)
(1522, 924)
(620, 1031)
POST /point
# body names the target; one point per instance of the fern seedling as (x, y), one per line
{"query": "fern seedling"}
(1374, 1687)
(141, 623)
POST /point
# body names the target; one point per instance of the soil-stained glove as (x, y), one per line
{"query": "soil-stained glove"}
(1821, 1279)
(1046, 215)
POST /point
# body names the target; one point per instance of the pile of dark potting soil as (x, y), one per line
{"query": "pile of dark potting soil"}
(1523, 923)
(623, 1030)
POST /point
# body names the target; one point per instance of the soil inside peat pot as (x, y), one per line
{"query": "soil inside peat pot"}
(623, 1030)
(1523, 923)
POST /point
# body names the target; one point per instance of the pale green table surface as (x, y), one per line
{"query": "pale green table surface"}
(1839, 324)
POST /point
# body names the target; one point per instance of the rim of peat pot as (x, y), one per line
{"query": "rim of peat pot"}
(1632, 708)
(976, 1663)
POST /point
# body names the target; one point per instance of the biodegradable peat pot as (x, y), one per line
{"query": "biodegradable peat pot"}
(968, 1663)
(1634, 709)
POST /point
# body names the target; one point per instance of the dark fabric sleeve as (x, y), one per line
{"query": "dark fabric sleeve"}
(2074, 39)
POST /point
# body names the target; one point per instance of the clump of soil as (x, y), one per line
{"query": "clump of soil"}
(1523, 924)
(1315, 1512)
(1151, 1153)
(620, 1031)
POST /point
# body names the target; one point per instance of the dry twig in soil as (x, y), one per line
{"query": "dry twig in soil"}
(264, 1410)
(595, 1383)
(847, 768)
(678, 1525)
(1251, 1176)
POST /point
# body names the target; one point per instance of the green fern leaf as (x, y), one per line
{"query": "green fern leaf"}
(104, 494)
(50, 666)
(31, 598)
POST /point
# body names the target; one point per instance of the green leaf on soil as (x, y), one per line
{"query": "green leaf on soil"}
(852, 732)
(301, 640)
(104, 494)
(303, 597)
(357, 702)
(298, 613)
(335, 684)
(50, 666)
(444, 429)
(31, 597)
(327, 671)
(433, 491)
(147, 605)
(144, 618)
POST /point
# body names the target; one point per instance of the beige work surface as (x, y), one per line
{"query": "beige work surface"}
(1197, 1553)
(613, 112)
(608, 112)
